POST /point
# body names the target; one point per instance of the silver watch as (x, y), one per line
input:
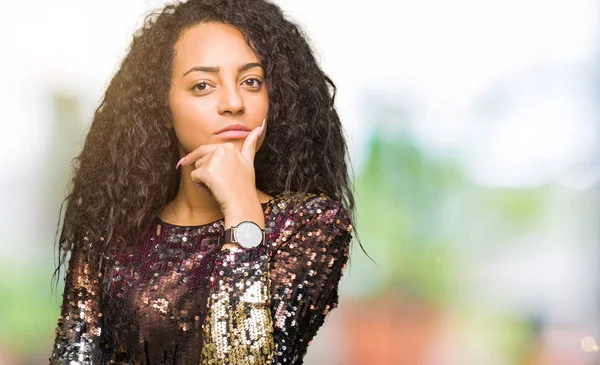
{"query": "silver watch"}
(247, 234)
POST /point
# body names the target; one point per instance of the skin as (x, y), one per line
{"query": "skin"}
(217, 172)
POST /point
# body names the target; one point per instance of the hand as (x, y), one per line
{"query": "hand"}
(224, 172)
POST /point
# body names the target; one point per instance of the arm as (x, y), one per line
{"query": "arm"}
(78, 330)
(312, 254)
(238, 328)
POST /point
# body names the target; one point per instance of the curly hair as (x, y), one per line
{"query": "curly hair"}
(125, 173)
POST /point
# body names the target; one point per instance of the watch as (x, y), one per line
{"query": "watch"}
(247, 234)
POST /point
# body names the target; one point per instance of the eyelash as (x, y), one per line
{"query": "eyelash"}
(194, 88)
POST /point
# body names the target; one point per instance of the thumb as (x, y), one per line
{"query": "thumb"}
(249, 146)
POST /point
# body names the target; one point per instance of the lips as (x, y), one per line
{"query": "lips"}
(233, 134)
(234, 127)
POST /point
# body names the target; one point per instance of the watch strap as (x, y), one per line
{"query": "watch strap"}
(227, 236)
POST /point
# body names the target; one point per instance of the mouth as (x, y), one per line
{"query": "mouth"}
(233, 133)
(234, 126)
(234, 130)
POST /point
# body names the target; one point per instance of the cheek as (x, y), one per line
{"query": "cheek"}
(187, 109)
(190, 120)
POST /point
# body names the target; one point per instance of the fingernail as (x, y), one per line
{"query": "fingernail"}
(179, 163)
(262, 128)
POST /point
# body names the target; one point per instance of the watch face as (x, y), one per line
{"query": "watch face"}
(248, 234)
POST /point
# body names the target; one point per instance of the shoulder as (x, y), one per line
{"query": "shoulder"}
(312, 210)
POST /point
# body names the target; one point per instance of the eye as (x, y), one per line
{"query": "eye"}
(255, 83)
(200, 87)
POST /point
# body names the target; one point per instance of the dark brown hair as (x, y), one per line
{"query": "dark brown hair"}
(125, 173)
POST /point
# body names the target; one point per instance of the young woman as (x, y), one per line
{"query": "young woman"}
(210, 213)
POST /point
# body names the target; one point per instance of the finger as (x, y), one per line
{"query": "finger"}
(249, 146)
(203, 188)
(198, 153)
(199, 163)
(198, 178)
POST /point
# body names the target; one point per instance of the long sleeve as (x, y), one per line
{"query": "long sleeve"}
(79, 325)
(238, 328)
(311, 255)
(266, 304)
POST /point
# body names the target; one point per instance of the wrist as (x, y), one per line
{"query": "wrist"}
(246, 209)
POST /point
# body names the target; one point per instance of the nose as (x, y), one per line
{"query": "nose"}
(231, 101)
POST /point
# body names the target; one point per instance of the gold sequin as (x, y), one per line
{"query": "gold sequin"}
(238, 328)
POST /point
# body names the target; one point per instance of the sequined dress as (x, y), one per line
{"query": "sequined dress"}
(179, 299)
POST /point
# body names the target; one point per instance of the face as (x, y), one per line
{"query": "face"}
(217, 80)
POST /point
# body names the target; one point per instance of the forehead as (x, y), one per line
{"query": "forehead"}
(212, 44)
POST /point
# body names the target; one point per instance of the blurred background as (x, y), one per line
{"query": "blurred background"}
(475, 139)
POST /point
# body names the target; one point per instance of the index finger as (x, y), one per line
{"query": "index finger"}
(199, 152)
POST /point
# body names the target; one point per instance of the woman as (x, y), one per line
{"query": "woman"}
(209, 219)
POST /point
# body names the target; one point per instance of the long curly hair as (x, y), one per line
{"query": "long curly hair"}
(125, 173)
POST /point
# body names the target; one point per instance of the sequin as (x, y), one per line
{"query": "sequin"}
(80, 323)
(181, 300)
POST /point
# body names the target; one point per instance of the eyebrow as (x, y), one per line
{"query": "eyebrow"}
(214, 69)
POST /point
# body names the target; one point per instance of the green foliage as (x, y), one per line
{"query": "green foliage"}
(29, 310)
(420, 218)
